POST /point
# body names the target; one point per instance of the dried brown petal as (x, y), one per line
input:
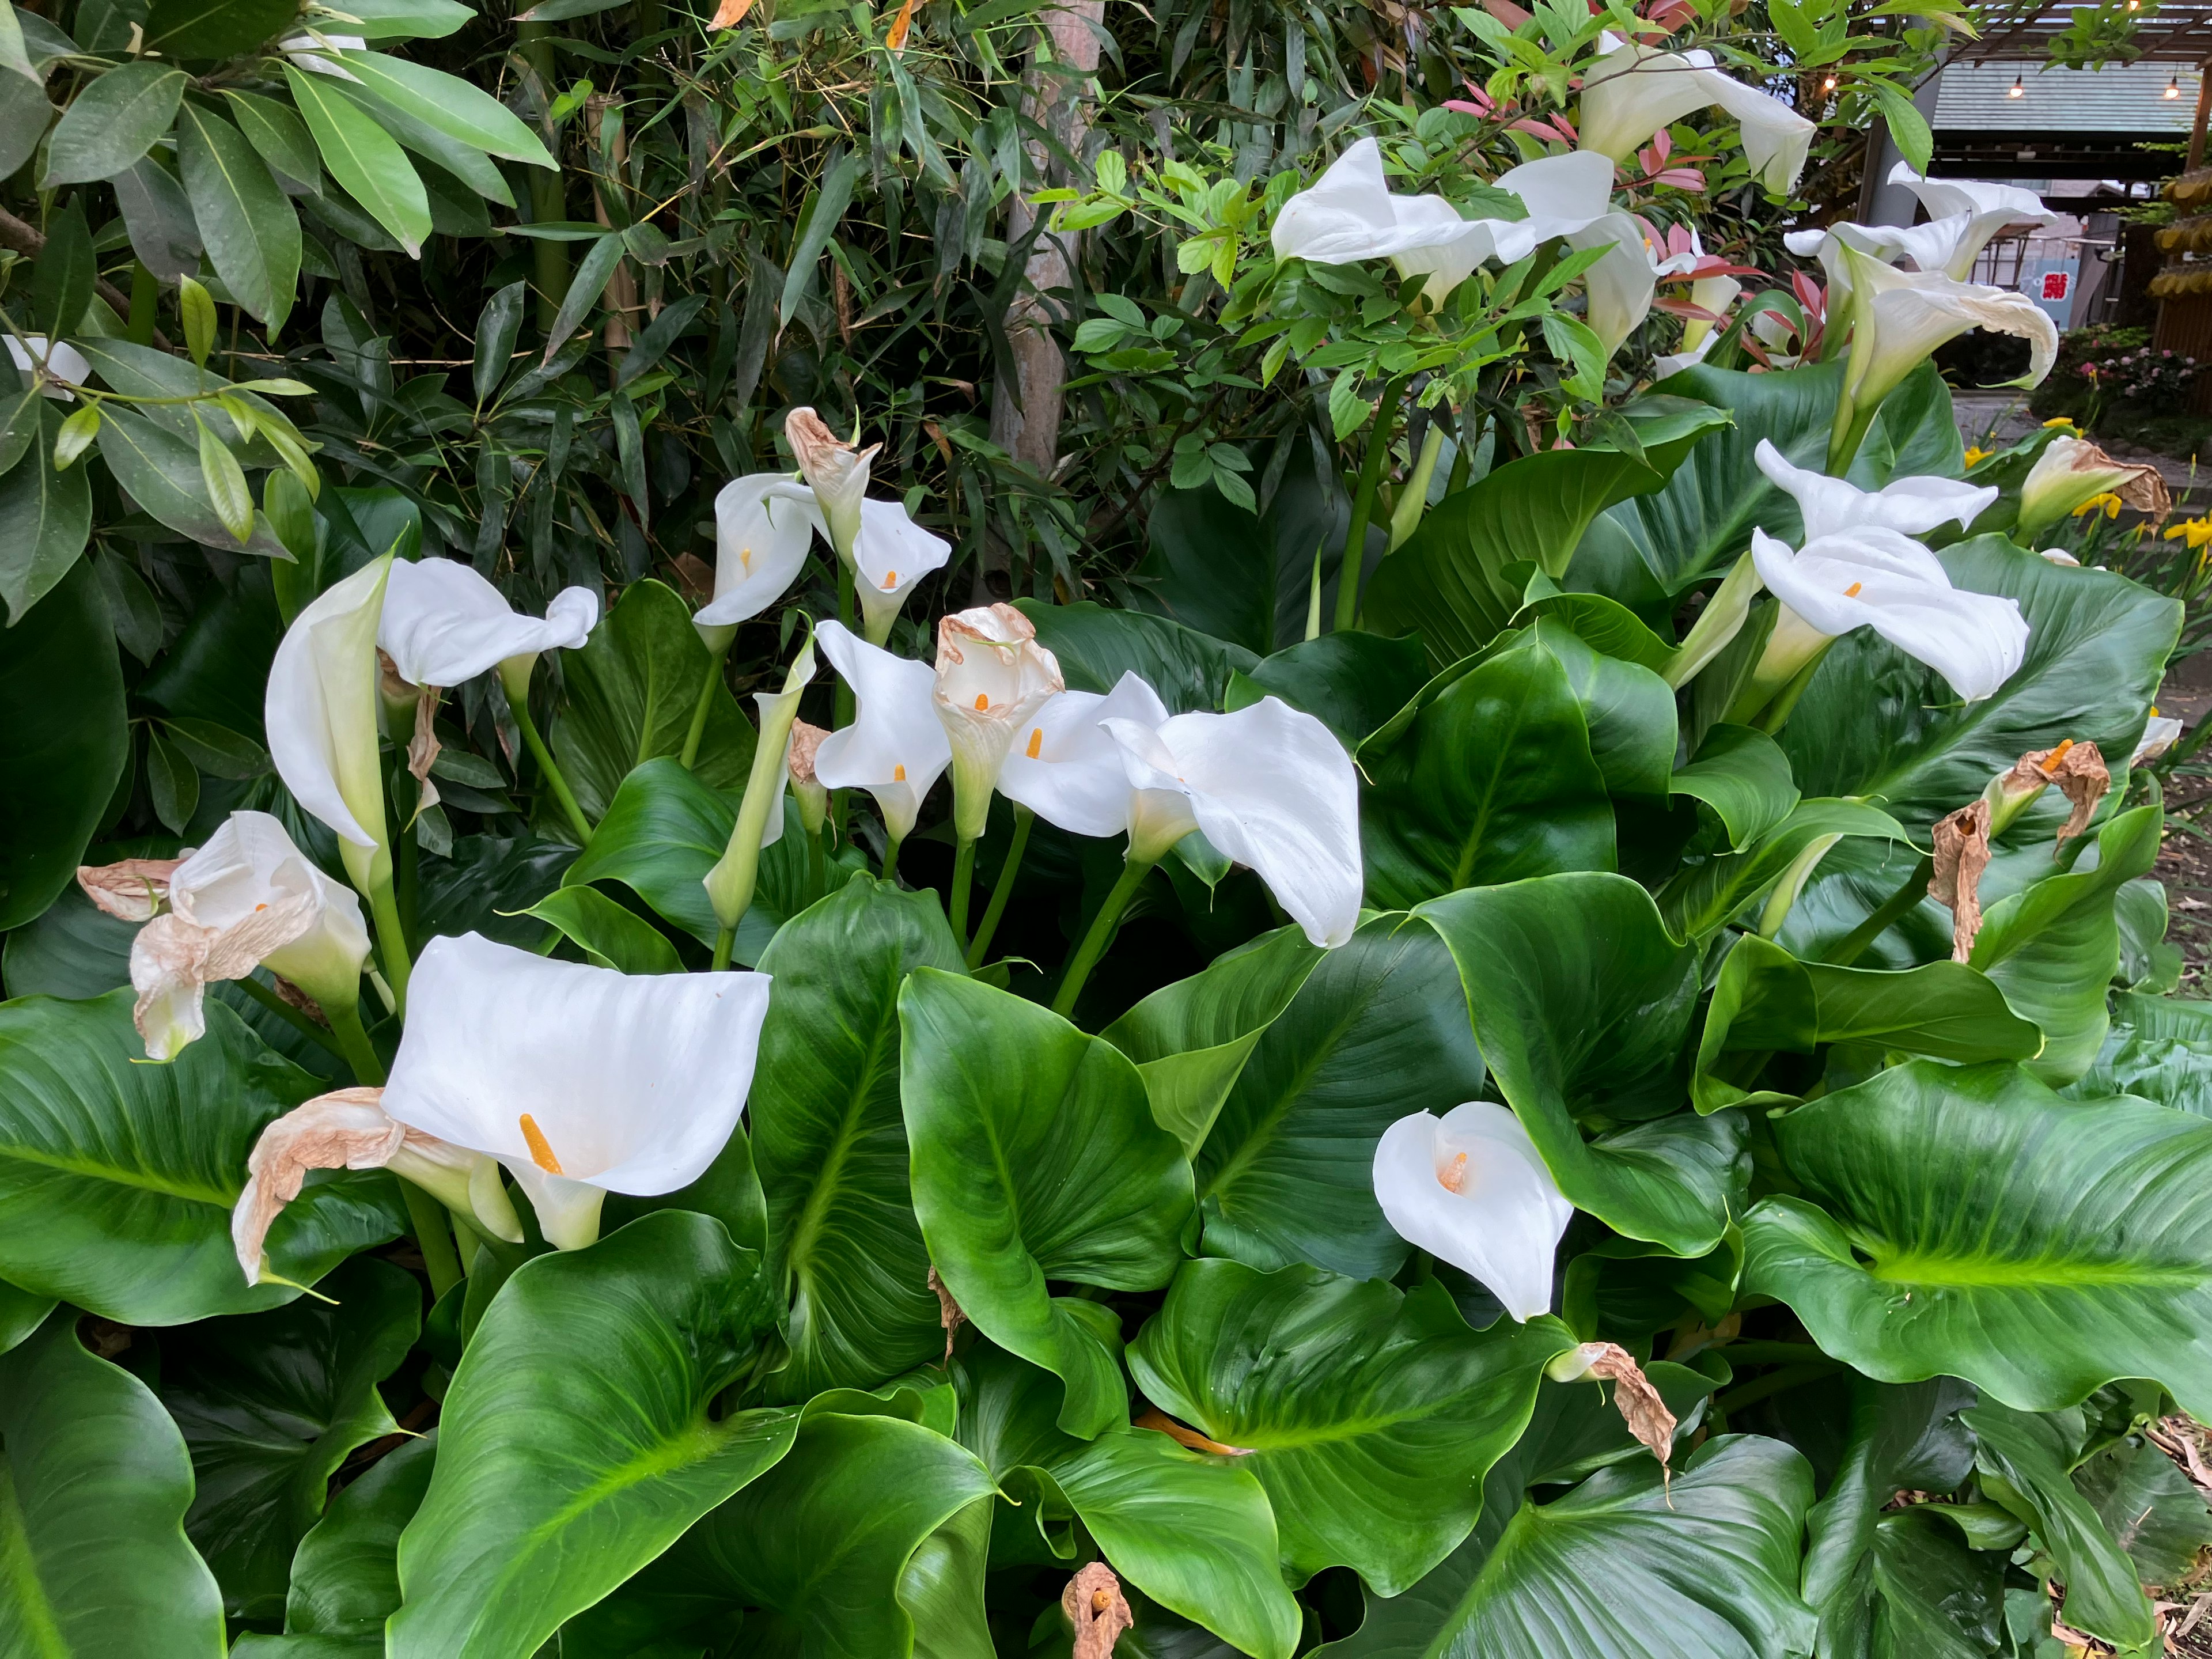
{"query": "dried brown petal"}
(132, 891)
(1096, 1610)
(948, 1311)
(344, 1129)
(2079, 771)
(804, 740)
(174, 959)
(422, 748)
(1186, 1436)
(1962, 852)
(1640, 1406)
(299, 999)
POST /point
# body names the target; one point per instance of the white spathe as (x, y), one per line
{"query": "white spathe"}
(248, 898)
(2160, 733)
(321, 712)
(1898, 318)
(581, 1080)
(1271, 786)
(64, 363)
(1911, 506)
(763, 523)
(1067, 768)
(1470, 1189)
(1631, 91)
(1876, 578)
(1349, 214)
(992, 677)
(889, 556)
(1984, 208)
(896, 747)
(1570, 197)
(444, 624)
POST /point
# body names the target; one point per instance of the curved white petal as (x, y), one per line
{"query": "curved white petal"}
(250, 865)
(1978, 210)
(632, 1083)
(1899, 317)
(889, 556)
(444, 624)
(1067, 768)
(1633, 91)
(2160, 733)
(1349, 214)
(321, 708)
(1775, 136)
(1912, 506)
(1502, 1225)
(1621, 284)
(895, 749)
(1563, 194)
(763, 523)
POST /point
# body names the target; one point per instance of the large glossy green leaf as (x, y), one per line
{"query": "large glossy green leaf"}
(214, 28)
(1629, 709)
(1035, 1157)
(112, 121)
(250, 230)
(1371, 1416)
(1352, 683)
(2150, 1507)
(1452, 582)
(1744, 776)
(1706, 897)
(1096, 646)
(1706, 514)
(831, 1144)
(63, 741)
(1191, 1039)
(2159, 1047)
(1194, 1532)
(1766, 1000)
(1622, 1567)
(609, 935)
(1378, 1029)
(1491, 780)
(1968, 1222)
(369, 165)
(631, 691)
(867, 1542)
(1939, 1598)
(118, 1177)
(2026, 1464)
(1898, 1438)
(94, 1485)
(2053, 947)
(488, 886)
(1876, 723)
(345, 1576)
(45, 518)
(270, 1406)
(578, 1440)
(1581, 1001)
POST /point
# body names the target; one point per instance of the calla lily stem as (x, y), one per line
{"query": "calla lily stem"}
(1363, 504)
(964, 878)
(1103, 926)
(353, 1042)
(691, 738)
(726, 942)
(1853, 946)
(291, 1016)
(1004, 890)
(890, 860)
(433, 1236)
(391, 943)
(551, 769)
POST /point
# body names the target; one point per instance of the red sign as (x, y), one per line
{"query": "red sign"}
(2056, 283)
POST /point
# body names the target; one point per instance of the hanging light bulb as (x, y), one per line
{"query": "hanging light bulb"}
(1828, 85)
(2173, 88)
(2017, 89)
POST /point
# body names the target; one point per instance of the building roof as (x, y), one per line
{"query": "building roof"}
(2170, 32)
(2127, 98)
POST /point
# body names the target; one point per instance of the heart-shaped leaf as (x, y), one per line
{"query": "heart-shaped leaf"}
(1968, 1222)
(1035, 1156)
(345, 1576)
(1096, 646)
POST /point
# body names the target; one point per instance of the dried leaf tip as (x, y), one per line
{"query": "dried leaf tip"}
(1639, 1403)
(804, 741)
(1189, 1438)
(1962, 852)
(133, 891)
(1096, 1610)
(948, 1311)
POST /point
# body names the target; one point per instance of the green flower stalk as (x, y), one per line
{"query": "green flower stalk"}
(760, 817)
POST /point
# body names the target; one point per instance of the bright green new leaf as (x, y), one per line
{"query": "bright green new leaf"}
(226, 484)
(607, 933)
(1706, 897)
(363, 158)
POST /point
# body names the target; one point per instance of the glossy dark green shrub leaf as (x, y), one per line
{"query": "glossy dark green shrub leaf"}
(488, 886)
(605, 933)
(1744, 776)
(1939, 1597)
(161, 470)
(831, 1144)
(1378, 1029)
(1035, 1156)
(93, 1486)
(214, 28)
(1194, 1532)
(65, 742)
(2026, 1463)
(270, 1405)
(1095, 647)
(1371, 1417)
(578, 1439)
(1706, 897)
(111, 123)
(1491, 781)
(345, 1577)
(1624, 1567)
(1970, 1222)
(251, 232)
(45, 517)
(1581, 1000)
(118, 1177)
(1766, 1000)
(1875, 723)
(629, 696)
(1352, 683)
(2053, 947)
(1191, 1039)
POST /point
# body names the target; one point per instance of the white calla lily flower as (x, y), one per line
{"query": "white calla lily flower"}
(321, 715)
(896, 747)
(836, 471)
(2160, 733)
(64, 361)
(249, 898)
(1631, 91)
(1067, 768)
(1713, 294)
(1984, 208)
(1470, 1189)
(1271, 786)
(1570, 197)
(1875, 577)
(582, 1081)
(763, 524)
(991, 679)
(891, 554)
(444, 624)
(1911, 506)
(1349, 214)
(2072, 471)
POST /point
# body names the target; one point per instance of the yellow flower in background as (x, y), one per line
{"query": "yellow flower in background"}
(2196, 532)
(1976, 457)
(2066, 421)
(2108, 504)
